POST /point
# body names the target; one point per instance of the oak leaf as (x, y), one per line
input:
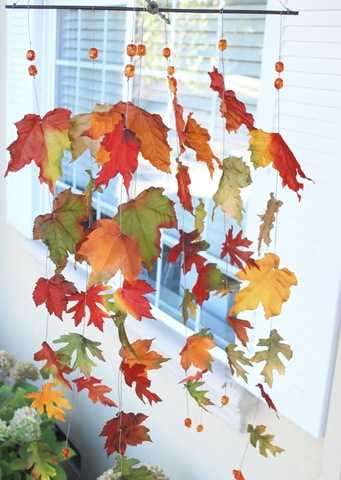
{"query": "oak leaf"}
(197, 139)
(268, 219)
(151, 131)
(232, 246)
(96, 391)
(196, 351)
(63, 229)
(240, 328)
(269, 148)
(122, 148)
(236, 175)
(193, 388)
(263, 440)
(200, 216)
(54, 364)
(131, 299)
(53, 292)
(139, 353)
(118, 252)
(237, 360)
(189, 246)
(44, 141)
(184, 181)
(50, 401)
(93, 301)
(123, 430)
(142, 219)
(137, 374)
(273, 347)
(268, 285)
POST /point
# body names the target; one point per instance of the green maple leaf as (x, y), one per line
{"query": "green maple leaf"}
(236, 175)
(274, 347)
(143, 217)
(198, 395)
(188, 306)
(200, 215)
(41, 461)
(80, 346)
(128, 469)
(62, 229)
(237, 360)
(264, 441)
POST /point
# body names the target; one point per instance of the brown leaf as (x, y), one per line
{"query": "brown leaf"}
(268, 219)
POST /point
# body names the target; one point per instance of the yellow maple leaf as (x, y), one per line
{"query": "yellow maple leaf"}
(269, 286)
(50, 401)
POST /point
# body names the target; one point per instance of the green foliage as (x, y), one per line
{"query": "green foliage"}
(129, 470)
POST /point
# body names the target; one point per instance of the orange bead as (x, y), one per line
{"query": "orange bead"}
(224, 400)
(279, 67)
(32, 70)
(222, 44)
(93, 53)
(188, 422)
(131, 49)
(30, 55)
(279, 83)
(166, 52)
(129, 70)
(171, 70)
(141, 50)
(66, 452)
(200, 428)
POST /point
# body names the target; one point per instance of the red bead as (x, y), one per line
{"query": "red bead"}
(279, 83)
(279, 67)
(131, 49)
(222, 44)
(66, 452)
(93, 53)
(32, 70)
(30, 55)
(129, 70)
(141, 50)
(166, 52)
(188, 422)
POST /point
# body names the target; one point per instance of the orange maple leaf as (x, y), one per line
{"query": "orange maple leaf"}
(139, 353)
(50, 401)
(102, 123)
(240, 328)
(197, 139)
(196, 351)
(117, 252)
(184, 180)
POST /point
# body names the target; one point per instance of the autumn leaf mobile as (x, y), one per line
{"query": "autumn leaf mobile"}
(119, 250)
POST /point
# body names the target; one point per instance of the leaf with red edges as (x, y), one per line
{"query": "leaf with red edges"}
(137, 374)
(123, 148)
(131, 299)
(184, 181)
(267, 398)
(93, 300)
(54, 364)
(240, 328)
(44, 141)
(196, 377)
(139, 353)
(96, 391)
(212, 280)
(123, 430)
(53, 292)
(232, 247)
(190, 245)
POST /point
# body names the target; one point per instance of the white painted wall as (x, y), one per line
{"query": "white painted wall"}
(184, 454)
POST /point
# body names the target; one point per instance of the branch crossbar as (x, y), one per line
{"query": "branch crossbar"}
(161, 10)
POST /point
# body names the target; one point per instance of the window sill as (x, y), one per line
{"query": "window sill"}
(170, 335)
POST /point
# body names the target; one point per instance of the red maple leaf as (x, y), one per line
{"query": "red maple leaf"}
(123, 147)
(189, 245)
(138, 374)
(130, 298)
(240, 328)
(54, 293)
(31, 144)
(184, 181)
(123, 430)
(232, 247)
(93, 300)
(54, 365)
(96, 391)
(179, 123)
(238, 475)
(232, 109)
(196, 377)
(267, 398)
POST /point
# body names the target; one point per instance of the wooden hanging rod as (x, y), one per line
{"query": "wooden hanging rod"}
(161, 9)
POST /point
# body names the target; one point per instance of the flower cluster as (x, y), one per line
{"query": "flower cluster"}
(156, 474)
(16, 371)
(25, 425)
(4, 434)
(7, 361)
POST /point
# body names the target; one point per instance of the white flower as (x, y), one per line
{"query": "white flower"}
(25, 425)
(4, 434)
(22, 371)
(108, 475)
(6, 362)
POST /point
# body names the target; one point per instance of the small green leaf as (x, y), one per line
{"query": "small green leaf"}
(40, 459)
(264, 441)
(237, 360)
(198, 395)
(200, 215)
(129, 470)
